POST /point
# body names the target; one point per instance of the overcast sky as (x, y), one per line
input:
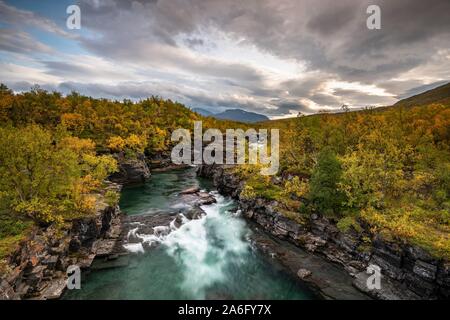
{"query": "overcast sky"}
(274, 57)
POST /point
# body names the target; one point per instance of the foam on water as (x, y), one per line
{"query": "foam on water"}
(211, 257)
(134, 247)
(205, 246)
(202, 246)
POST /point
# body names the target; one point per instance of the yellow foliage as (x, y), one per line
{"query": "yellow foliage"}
(296, 187)
(79, 146)
(116, 144)
(132, 143)
(136, 143)
(248, 192)
(72, 121)
(86, 204)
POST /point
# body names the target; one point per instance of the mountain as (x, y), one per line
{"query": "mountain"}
(240, 115)
(203, 112)
(440, 95)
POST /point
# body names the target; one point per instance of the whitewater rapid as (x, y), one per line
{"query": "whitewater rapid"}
(203, 247)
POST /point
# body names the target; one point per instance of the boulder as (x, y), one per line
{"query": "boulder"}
(54, 290)
(131, 171)
(190, 190)
(206, 198)
(37, 269)
(303, 273)
(425, 270)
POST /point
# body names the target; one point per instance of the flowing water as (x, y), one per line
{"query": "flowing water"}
(207, 258)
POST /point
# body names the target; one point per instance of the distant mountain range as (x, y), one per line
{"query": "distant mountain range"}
(233, 114)
(203, 112)
(439, 94)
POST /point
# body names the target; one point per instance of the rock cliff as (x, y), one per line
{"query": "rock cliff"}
(131, 171)
(37, 270)
(408, 272)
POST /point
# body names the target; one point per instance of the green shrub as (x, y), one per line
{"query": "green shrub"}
(112, 197)
(324, 194)
(344, 224)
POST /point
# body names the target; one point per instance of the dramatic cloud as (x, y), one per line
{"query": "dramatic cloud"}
(18, 18)
(276, 57)
(20, 42)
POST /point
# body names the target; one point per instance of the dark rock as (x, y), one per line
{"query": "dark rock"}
(312, 243)
(74, 244)
(120, 262)
(194, 213)
(54, 290)
(387, 268)
(105, 247)
(22, 290)
(131, 171)
(303, 273)
(50, 261)
(318, 227)
(417, 253)
(443, 275)
(38, 267)
(206, 198)
(347, 242)
(425, 270)
(388, 290)
(391, 257)
(286, 224)
(408, 271)
(190, 190)
(7, 292)
(419, 286)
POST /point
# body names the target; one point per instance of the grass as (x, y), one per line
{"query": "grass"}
(344, 224)
(408, 223)
(301, 219)
(418, 220)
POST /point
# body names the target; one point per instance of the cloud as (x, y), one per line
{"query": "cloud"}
(194, 42)
(11, 73)
(270, 56)
(20, 42)
(288, 106)
(362, 99)
(16, 17)
(417, 90)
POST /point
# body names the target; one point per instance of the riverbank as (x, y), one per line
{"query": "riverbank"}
(185, 241)
(316, 255)
(37, 269)
(408, 272)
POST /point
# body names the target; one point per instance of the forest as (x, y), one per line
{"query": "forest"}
(386, 169)
(56, 151)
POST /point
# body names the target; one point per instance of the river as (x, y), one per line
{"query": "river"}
(208, 258)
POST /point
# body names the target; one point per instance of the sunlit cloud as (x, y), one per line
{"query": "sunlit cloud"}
(277, 58)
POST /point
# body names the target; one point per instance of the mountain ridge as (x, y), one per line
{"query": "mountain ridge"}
(233, 114)
(440, 94)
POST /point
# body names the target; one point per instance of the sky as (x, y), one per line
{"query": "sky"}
(274, 57)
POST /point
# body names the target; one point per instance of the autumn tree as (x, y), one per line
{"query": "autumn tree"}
(42, 178)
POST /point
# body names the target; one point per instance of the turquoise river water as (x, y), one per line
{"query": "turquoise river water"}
(208, 258)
